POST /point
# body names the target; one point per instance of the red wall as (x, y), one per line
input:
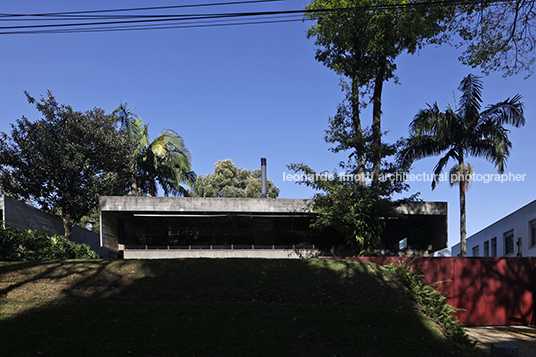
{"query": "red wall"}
(494, 291)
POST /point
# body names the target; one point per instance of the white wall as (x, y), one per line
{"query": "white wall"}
(518, 221)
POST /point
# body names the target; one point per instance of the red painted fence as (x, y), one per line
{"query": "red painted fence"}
(493, 291)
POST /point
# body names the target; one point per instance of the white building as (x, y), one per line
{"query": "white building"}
(511, 236)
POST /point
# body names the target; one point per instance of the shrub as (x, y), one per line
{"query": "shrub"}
(30, 245)
(432, 302)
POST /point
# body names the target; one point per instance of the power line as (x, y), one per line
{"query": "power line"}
(150, 27)
(176, 21)
(145, 8)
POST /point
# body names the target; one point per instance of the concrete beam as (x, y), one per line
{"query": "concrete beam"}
(423, 208)
(240, 205)
(204, 204)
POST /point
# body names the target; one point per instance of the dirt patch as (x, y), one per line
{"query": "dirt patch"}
(522, 337)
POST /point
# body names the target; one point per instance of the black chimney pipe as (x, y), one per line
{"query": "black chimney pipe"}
(264, 190)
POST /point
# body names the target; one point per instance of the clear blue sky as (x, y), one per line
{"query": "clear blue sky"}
(251, 91)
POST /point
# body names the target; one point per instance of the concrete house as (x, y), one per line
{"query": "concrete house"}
(180, 227)
(511, 236)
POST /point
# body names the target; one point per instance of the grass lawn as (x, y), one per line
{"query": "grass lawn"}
(210, 307)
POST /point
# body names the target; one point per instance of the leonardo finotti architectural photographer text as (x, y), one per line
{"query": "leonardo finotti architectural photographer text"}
(486, 178)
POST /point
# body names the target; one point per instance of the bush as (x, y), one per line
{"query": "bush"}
(432, 303)
(30, 245)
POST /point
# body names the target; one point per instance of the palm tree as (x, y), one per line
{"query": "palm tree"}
(165, 160)
(463, 132)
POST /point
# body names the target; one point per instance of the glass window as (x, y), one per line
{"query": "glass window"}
(494, 247)
(476, 251)
(486, 248)
(508, 242)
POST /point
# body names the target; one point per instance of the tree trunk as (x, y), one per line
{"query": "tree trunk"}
(67, 226)
(356, 120)
(463, 252)
(376, 122)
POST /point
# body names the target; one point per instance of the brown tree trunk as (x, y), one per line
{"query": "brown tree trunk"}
(67, 226)
(356, 119)
(463, 252)
(376, 122)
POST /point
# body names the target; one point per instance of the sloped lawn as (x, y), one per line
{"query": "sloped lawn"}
(204, 307)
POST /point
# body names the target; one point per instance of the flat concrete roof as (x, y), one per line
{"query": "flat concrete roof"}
(240, 205)
(423, 208)
(205, 204)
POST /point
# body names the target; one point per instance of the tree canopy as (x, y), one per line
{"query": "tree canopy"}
(64, 161)
(231, 181)
(497, 35)
(360, 40)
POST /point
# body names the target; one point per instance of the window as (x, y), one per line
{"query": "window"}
(509, 242)
(494, 247)
(533, 233)
(476, 251)
(486, 248)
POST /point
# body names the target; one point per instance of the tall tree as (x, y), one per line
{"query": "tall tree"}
(165, 161)
(231, 181)
(459, 133)
(66, 160)
(360, 40)
(357, 212)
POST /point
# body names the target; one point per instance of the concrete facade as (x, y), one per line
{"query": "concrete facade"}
(20, 215)
(201, 204)
(152, 227)
(511, 236)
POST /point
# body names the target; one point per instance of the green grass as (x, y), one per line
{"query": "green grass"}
(203, 307)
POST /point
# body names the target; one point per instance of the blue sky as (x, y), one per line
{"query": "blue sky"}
(246, 92)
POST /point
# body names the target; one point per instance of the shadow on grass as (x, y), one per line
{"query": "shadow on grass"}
(203, 307)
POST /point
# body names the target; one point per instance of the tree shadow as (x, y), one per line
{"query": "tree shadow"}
(209, 307)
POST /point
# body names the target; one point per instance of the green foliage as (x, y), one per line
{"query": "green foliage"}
(360, 40)
(464, 131)
(165, 161)
(92, 216)
(461, 132)
(497, 36)
(355, 211)
(31, 245)
(231, 181)
(66, 160)
(431, 302)
(357, 33)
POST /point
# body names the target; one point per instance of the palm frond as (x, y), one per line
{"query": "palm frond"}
(471, 99)
(426, 120)
(419, 147)
(438, 169)
(126, 117)
(511, 112)
(140, 131)
(493, 145)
